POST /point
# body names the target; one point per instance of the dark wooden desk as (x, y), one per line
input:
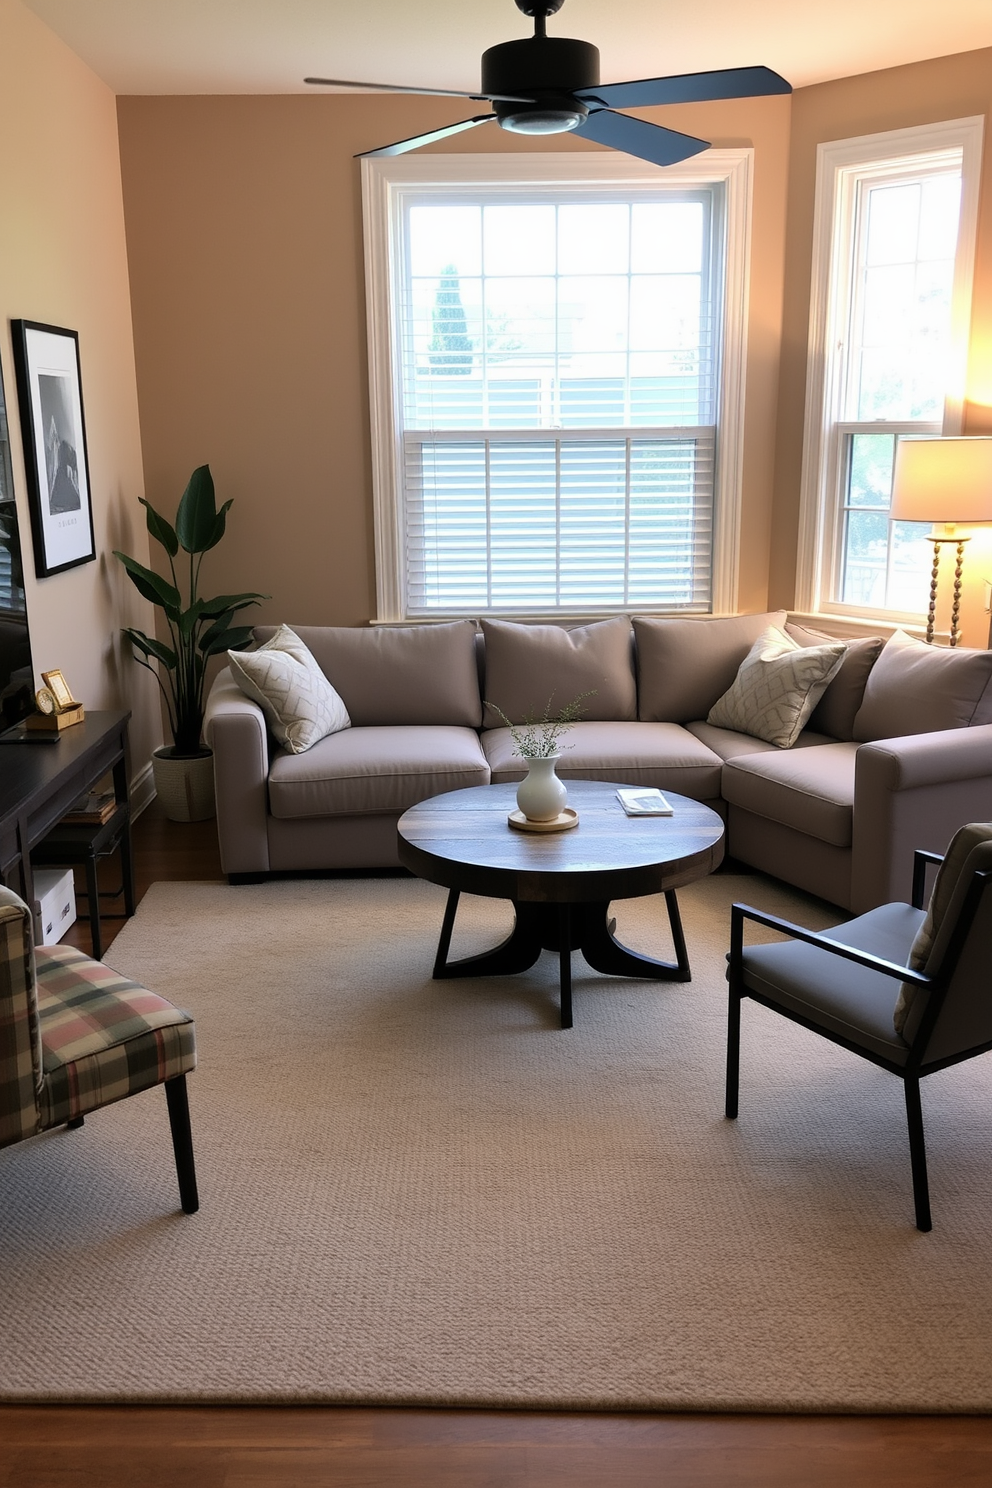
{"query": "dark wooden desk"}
(560, 883)
(39, 783)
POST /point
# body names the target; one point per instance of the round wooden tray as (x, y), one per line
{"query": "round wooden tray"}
(561, 823)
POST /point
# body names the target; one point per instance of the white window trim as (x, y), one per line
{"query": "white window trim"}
(838, 164)
(383, 180)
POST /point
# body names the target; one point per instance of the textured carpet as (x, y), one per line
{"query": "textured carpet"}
(426, 1192)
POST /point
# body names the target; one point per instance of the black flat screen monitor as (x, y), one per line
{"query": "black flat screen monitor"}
(16, 671)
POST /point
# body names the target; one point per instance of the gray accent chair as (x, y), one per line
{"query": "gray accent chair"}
(844, 983)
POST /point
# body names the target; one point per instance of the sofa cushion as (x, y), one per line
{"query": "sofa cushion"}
(528, 664)
(683, 666)
(404, 674)
(367, 770)
(729, 744)
(914, 688)
(299, 703)
(777, 687)
(661, 754)
(811, 790)
(834, 714)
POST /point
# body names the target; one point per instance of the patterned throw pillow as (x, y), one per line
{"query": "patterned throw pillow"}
(282, 677)
(777, 687)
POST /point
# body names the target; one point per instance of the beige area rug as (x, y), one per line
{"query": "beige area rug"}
(428, 1193)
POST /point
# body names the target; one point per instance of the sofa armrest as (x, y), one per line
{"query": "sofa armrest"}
(910, 793)
(234, 728)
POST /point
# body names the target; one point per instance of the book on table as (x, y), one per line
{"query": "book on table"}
(92, 809)
(644, 801)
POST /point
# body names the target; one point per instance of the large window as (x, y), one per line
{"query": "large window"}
(891, 290)
(548, 356)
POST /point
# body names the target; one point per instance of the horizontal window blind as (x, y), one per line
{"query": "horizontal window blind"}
(557, 390)
(585, 523)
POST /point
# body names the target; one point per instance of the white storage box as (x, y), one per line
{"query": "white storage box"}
(54, 904)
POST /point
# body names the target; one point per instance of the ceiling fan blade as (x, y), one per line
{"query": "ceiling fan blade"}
(637, 137)
(400, 88)
(401, 146)
(689, 87)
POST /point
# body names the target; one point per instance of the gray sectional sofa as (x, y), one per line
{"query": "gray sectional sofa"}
(897, 754)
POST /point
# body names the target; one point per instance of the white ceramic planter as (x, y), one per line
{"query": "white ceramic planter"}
(185, 786)
(541, 796)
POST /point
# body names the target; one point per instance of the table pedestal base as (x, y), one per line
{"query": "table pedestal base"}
(563, 928)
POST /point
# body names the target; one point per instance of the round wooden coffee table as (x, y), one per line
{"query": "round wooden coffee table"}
(560, 883)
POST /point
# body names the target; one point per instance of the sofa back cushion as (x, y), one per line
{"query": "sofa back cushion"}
(683, 666)
(835, 713)
(526, 665)
(404, 674)
(914, 688)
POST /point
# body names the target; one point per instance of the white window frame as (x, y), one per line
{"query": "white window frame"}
(384, 181)
(840, 167)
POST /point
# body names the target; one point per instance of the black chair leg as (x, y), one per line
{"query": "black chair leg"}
(733, 1054)
(734, 1012)
(918, 1154)
(75, 1123)
(182, 1142)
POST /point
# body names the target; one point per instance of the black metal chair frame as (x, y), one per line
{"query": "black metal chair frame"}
(915, 1067)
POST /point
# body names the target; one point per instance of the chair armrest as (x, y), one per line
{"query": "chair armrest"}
(234, 727)
(741, 912)
(921, 858)
(909, 793)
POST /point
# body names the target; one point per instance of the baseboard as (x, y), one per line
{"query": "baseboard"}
(142, 792)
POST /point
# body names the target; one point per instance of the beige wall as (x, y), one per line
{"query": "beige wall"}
(926, 92)
(62, 261)
(245, 250)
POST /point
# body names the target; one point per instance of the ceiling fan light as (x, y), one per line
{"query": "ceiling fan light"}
(543, 120)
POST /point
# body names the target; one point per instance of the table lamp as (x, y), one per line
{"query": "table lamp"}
(945, 482)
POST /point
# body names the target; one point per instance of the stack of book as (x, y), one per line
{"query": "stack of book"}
(93, 809)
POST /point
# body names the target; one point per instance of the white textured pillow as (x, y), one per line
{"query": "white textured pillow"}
(777, 687)
(293, 693)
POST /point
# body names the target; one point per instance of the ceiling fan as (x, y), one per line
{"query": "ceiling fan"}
(545, 84)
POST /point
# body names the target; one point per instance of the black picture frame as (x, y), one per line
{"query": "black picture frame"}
(53, 429)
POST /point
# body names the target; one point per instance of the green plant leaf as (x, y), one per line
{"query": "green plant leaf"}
(189, 619)
(232, 602)
(221, 623)
(235, 639)
(197, 514)
(160, 529)
(148, 646)
(220, 524)
(151, 585)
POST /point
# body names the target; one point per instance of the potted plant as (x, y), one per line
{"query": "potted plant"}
(541, 796)
(198, 628)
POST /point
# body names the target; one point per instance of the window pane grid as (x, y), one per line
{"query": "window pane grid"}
(558, 388)
(894, 373)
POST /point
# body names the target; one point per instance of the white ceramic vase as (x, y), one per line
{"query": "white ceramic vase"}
(541, 796)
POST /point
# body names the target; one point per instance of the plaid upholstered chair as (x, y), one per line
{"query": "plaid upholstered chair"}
(908, 989)
(75, 1036)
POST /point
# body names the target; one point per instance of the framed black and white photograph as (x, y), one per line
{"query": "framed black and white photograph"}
(49, 389)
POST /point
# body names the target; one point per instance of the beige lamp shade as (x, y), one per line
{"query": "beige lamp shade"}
(942, 480)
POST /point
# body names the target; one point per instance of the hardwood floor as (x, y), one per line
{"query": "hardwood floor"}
(270, 1447)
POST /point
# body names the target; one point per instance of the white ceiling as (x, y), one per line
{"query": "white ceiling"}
(268, 46)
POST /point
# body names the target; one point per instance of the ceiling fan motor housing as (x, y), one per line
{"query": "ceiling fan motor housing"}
(549, 69)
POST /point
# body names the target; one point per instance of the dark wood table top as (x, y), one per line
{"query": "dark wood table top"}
(463, 841)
